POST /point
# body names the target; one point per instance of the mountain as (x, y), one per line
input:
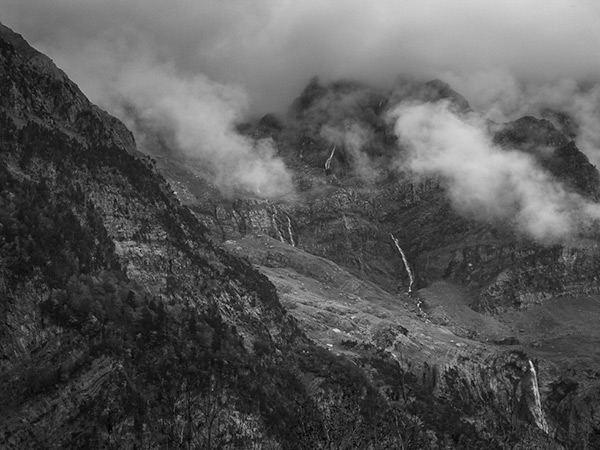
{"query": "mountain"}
(134, 317)
(480, 280)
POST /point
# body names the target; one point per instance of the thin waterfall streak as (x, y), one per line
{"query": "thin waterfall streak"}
(328, 162)
(290, 231)
(276, 226)
(405, 261)
(539, 413)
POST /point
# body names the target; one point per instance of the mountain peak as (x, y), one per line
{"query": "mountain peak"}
(29, 54)
(436, 90)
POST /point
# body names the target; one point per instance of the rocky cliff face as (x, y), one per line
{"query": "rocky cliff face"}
(125, 324)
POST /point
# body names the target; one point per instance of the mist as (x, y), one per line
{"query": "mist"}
(483, 180)
(185, 114)
(196, 118)
(351, 137)
(271, 48)
(193, 69)
(502, 97)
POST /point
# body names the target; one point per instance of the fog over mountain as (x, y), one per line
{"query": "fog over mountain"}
(331, 224)
(484, 180)
(271, 48)
(192, 70)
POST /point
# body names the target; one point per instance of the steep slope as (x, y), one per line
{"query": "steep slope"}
(116, 310)
(437, 372)
(122, 325)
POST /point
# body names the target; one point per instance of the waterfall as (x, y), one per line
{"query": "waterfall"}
(328, 162)
(276, 226)
(405, 261)
(536, 408)
(290, 231)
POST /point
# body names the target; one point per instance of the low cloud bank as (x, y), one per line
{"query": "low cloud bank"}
(483, 180)
(502, 97)
(273, 47)
(192, 116)
(196, 117)
(194, 68)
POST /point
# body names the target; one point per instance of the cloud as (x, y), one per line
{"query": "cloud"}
(196, 117)
(238, 57)
(483, 180)
(190, 114)
(273, 47)
(501, 97)
(351, 138)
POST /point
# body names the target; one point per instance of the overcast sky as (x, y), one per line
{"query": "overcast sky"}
(190, 70)
(270, 48)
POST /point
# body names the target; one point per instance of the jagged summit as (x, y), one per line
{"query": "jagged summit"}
(528, 131)
(26, 51)
(554, 150)
(439, 90)
(35, 90)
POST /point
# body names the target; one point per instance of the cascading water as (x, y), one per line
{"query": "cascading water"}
(328, 162)
(405, 261)
(536, 408)
(290, 231)
(276, 226)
